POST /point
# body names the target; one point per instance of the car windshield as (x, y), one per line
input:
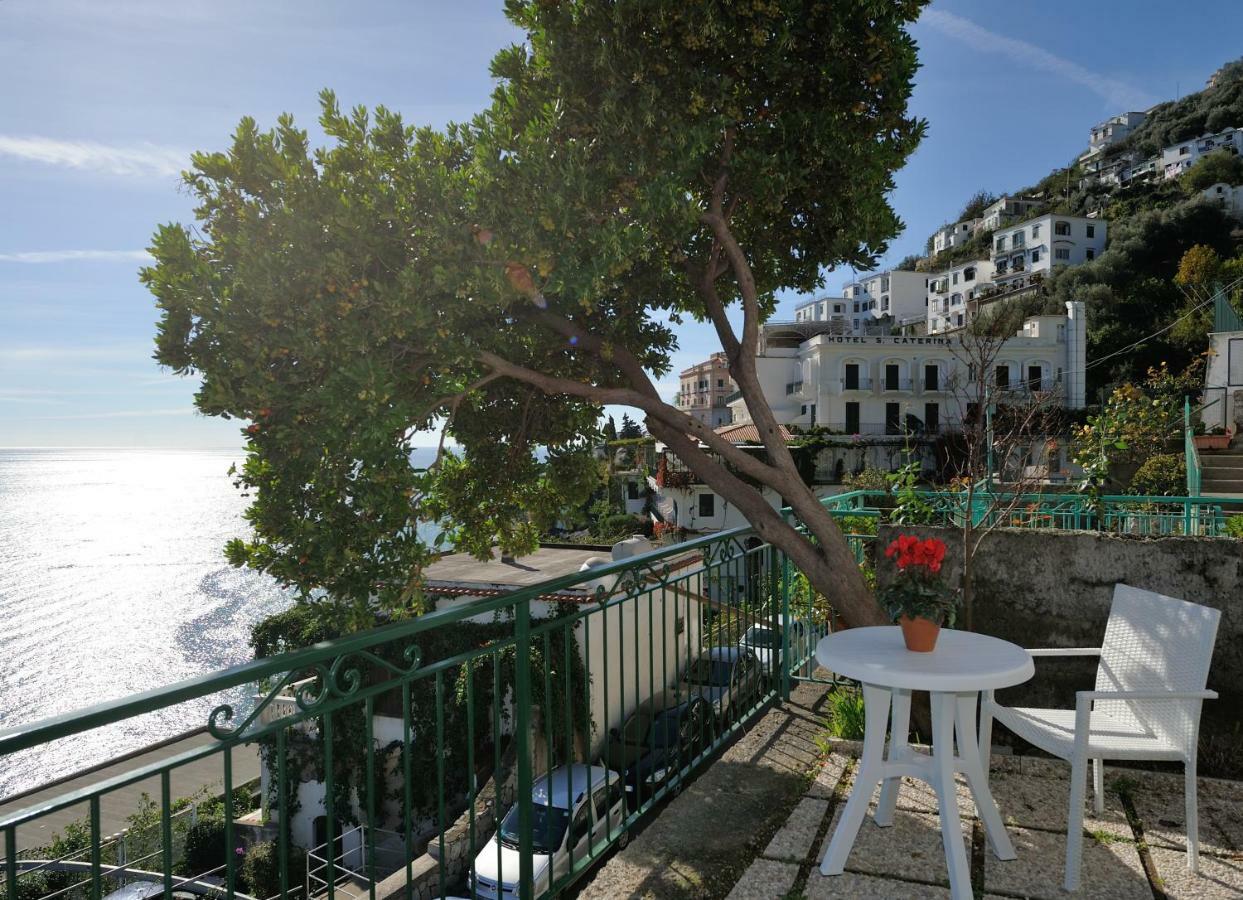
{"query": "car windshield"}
(758, 636)
(709, 672)
(644, 730)
(547, 828)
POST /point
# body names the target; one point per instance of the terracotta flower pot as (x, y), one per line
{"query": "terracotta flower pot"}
(920, 634)
(1212, 441)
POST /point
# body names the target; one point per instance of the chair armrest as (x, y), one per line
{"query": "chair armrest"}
(1066, 651)
(1089, 696)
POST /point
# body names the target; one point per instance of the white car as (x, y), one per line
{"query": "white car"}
(765, 642)
(573, 809)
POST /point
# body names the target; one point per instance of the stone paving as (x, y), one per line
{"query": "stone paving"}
(1135, 849)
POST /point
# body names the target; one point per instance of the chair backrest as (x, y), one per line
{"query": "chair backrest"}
(1157, 643)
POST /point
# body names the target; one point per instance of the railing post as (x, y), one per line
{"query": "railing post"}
(522, 742)
(786, 656)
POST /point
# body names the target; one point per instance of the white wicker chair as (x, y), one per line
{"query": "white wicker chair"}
(1154, 663)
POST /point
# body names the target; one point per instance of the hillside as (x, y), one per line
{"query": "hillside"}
(1130, 288)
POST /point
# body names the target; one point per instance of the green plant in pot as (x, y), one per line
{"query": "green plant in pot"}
(917, 597)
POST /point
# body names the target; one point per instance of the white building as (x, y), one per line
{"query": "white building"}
(949, 236)
(822, 309)
(1005, 210)
(951, 291)
(1112, 130)
(1036, 246)
(1178, 158)
(886, 385)
(1229, 198)
(1172, 161)
(894, 294)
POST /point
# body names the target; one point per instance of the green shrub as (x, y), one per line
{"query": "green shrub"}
(870, 479)
(1234, 527)
(620, 525)
(846, 714)
(1164, 474)
(205, 846)
(857, 524)
(262, 872)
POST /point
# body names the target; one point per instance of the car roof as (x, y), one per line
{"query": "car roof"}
(568, 791)
(725, 654)
(668, 699)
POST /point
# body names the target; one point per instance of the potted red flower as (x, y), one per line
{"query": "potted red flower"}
(918, 598)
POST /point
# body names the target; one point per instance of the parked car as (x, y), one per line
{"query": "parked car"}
(661, 736)
(764, 640)
(727, 677)
(573, 809)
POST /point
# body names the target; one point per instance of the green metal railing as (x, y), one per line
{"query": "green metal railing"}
(1190, 454)
(436, 727)
(1121, 513)
(1225, 316)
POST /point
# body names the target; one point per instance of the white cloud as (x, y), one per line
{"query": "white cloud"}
(1120, 95)
(142, 159)
(56, 256)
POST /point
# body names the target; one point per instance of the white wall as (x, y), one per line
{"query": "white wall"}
(627, 659)
(1224, 378)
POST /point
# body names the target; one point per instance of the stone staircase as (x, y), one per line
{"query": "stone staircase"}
(1222, 470)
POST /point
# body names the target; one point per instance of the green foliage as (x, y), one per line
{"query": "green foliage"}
(340, 299)
(910, 508)
(1212, 168)
(858, 524)
(979, 202)
(870, 479)
(261, 868)
(205, 845)
(618, 526)
(1136, 423)
(1234, 527)
(846, 714)
(1129, 290)
(1164, 474)
(1205, 112)
(630, 429)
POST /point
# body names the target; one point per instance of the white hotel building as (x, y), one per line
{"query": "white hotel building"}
(896, 294)
(888, 384)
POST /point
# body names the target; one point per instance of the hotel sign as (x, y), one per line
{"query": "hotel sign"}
(927, 341)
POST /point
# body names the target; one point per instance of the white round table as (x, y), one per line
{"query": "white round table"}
(962, 665)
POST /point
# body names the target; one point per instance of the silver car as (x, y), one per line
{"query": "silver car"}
(729, 678)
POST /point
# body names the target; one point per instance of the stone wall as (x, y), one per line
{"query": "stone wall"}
(1053, 589)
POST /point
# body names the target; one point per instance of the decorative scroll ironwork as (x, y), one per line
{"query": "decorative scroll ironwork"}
(339, 680)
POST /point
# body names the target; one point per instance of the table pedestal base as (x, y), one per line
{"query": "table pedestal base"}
(953, 716)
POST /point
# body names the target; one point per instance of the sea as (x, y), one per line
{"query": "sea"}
(112, 582)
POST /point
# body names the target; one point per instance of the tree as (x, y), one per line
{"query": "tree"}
(979, 202)
(630, 428)
(610, 430)
(509, 276)
(1005, 425)
(1214, 168)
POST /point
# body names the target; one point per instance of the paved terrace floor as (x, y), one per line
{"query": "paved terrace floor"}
(756, 824)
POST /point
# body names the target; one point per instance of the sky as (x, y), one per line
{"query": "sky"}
(102, 103)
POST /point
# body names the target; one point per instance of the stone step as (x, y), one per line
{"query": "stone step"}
(1221, 486)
